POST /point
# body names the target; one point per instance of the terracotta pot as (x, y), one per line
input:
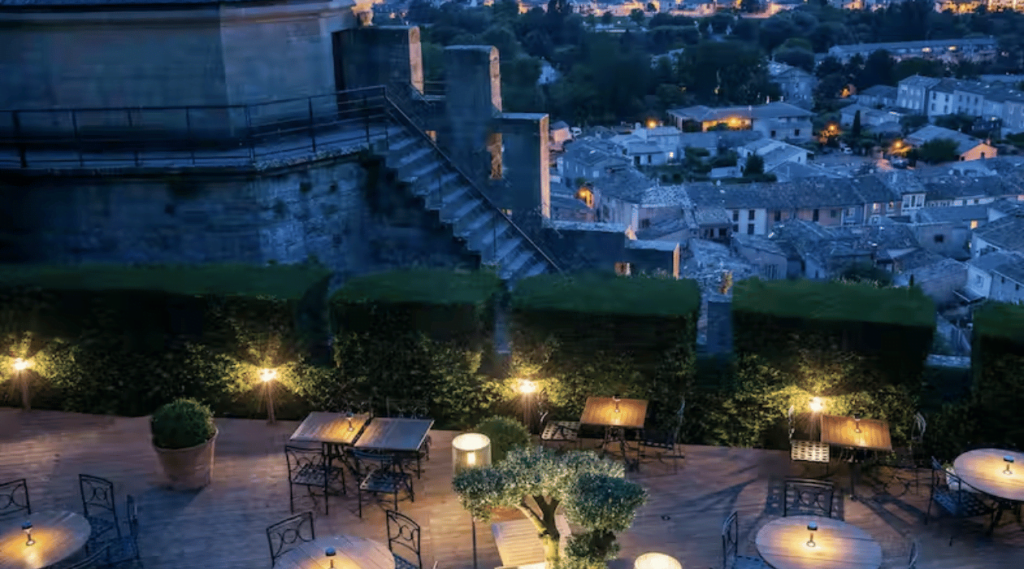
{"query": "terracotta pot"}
(188, 468)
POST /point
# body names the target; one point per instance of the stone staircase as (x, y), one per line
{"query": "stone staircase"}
(427, 172)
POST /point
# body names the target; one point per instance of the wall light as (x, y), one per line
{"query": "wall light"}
(330, 552)
(27, 528)
(267, 374)
(21, 365)
(616, 400)
(817, 404)
(656, 561)
(527, 387)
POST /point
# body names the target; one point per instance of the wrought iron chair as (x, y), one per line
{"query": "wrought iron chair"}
(955, 496)
(912, 558)
(381, 474)
(731, 559)
(665, 441)
(403, 531)
(807, 497)
(310, 467)
(287, 534)
(95, 559)
(412, 409)
(99, 507)
(14, 498)
(558, 431)
(125, 550)
(904, 461)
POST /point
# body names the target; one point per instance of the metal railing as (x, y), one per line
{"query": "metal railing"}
(162, 136)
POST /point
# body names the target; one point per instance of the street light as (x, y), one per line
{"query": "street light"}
(527, 388)
(471, 450)
(267, 375)
(19, 366)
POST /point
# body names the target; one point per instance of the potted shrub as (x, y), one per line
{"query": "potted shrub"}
(183, 437)
(505, 434)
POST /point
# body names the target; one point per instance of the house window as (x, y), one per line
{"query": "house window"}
(769, 271)
(721, 232)
(1002, 280)
(735, 228)
(815, 216)
(773, 134)
(750, 215)
(940, 238)
(645, 224)
(974, 223)
(736, 215)
(750, 229)
(834, 213)
(876, 208)
(796, 132)
(778, 216)
(623, 269)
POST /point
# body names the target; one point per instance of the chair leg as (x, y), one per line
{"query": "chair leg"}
(359, 494)
(291, 496)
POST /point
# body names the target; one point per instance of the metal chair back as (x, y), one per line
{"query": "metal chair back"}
(403, 531)
(14, 498)
(730, 540)
(407, 408)
(912, 558)
(99, 504)
(287, 534)
(807, 497)
(302, 459)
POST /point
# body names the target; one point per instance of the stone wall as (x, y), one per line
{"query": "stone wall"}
(325, 211)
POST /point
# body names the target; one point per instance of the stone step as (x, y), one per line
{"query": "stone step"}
(412, 160)
(425, 171)
(486, 218)
(519, 260)
(539, 267)
(506, 249)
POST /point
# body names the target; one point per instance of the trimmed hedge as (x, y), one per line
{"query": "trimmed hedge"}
(594, 335)
(420, 334)
(998, 370)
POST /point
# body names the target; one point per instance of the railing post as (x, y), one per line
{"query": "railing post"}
(22, 152)
(366, 120)
(494, 239)
(135, 152)
(78, 143)
(312, 129)
(189, 141)
(248, 134)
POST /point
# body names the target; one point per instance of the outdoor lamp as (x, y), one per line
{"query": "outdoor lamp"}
(817, 404)
(527, 387)
(616, 400)
(21, 365)
(267, 374)
(471, 450)
(856, 423)
(812, 527)
(349, 417)
(27, 527)
(656, 561)
(1009, 461)
(329, 552)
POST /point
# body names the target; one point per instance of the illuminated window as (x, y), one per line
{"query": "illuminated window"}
(623, 269)
(974, 223)
(586, 196)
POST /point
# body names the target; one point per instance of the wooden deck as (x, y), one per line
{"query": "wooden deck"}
(223, 525)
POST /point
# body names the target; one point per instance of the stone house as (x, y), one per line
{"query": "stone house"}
(559, 133)
(878, 96)
(773, 152)
(1003, 234)
(970, 49)
(985, 270)
(769, 256)
(826, 252)
(774, 120)
(870, 119)
(913, 93)
(797, 85)
(939, 280)
(589, 159)
(968, 147)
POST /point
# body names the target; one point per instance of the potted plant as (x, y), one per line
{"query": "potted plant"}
(183, 438)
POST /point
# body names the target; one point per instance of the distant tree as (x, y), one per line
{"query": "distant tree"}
(866, 273)
(754, 166)
(651, 8)
(938, 151)
(918, 66)
(879, 69)
(855, 130)
(637, 16)
(911, 123)
(750, 6)
(797, 57)
(829, 66)
(607, 18)
(504, 39)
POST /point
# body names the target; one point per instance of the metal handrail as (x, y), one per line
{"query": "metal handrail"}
(472, 184)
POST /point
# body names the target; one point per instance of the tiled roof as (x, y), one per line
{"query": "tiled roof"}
(991, 261)
(872, 47)
(1012, 269)
(956, 187)
(660, 196)
(939, 269)
(774, 110)
(952, 213)
(760, 243)
(665, 227)
(1006, 233)
(932, 132)
(882, 91)
(627, 184)
(920, 81)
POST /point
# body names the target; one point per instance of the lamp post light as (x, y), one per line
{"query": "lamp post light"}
(267, 376)
(527, 388)
(471, 450)
(20, 366)
(817, 405)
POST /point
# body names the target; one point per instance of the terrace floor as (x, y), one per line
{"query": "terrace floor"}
(223, 526)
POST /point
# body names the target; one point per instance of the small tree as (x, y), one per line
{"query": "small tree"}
(939, 150)
(593, 491)
(754, 166)
(855, 131)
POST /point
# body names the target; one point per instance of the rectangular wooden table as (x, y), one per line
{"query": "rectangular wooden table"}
(330, 428)
(394, 435)
(519, 545)
(847, 432)
(616, 417)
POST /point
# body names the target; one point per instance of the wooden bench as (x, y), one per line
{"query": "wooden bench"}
(520, 546)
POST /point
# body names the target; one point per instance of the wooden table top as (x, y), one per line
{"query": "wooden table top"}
(400, 435)
(838, 545)
(57, 535)
(331, 428)
(985, 470)
(518, 543)
(842, 431)
(351, 553)
(601, 411)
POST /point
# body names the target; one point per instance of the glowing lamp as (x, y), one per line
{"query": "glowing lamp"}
(856, 423)
(817, 404)
(1009, 460)
(527, 387)
(812, 527)
(656, 561)
(470, 450)
(616, 400)
(21, 365)
(330, 552)
(349, 417)
(27, 528)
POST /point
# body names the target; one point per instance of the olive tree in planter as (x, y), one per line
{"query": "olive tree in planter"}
(593, 493)
(184, 437)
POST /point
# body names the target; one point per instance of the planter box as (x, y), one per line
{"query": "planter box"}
(188, 468)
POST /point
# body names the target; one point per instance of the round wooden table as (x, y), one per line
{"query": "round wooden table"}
(782, 543)
(985, 469)
(57, 535)
(351, 553)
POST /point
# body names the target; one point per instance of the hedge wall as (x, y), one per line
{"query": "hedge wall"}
(420, 334)
(595, 335)
(998, 370)
(114, 339)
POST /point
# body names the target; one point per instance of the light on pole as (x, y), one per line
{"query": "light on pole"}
(267, 376)
(471, 450)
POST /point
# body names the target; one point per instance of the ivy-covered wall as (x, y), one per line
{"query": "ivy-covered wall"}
(597, 335)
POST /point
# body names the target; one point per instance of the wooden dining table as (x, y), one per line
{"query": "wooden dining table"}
(616, 415)
(858, 435)
(57, 535)
(351, 552)
(988, 470)
(783, 544)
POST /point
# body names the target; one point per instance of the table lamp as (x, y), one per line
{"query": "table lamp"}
(856, 423)
(1009, 460)
(27, 528)
(812, 527)
(329, 552)
(616, 400)
(656, 561)
(349, 417)
(471, 450)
